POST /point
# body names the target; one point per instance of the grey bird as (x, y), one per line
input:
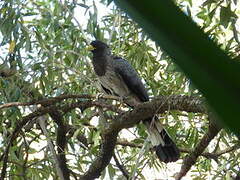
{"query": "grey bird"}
(117, 77)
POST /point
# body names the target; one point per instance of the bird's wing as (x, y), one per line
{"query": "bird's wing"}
(130, 78)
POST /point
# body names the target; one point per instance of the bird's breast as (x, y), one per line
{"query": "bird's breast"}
(114, 82)
(99, 65)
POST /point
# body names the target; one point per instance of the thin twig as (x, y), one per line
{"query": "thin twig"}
(121, 167)
(140, 155)
(208, 155)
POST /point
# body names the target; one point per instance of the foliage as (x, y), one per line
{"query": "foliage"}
(208, 67)
(43, 54)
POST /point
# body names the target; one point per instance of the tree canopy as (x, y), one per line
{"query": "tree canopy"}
(55, 125)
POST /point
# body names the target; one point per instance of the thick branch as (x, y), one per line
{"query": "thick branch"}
(42, 124)
(177, 102)
(61, 143)
(207, 155)
(159, 105)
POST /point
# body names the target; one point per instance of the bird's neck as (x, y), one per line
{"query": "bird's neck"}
(100, 64)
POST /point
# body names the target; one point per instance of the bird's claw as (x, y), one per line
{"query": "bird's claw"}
(122, 101)
(99, 95)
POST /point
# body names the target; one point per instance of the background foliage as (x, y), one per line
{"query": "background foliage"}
(42, 45)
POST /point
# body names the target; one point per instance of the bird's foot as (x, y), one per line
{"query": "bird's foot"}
(123, 100)
(99, 95)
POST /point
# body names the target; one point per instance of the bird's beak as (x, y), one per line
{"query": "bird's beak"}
(90, 48)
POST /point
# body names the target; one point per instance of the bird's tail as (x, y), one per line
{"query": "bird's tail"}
(164, 146)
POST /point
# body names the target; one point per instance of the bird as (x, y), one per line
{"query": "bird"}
(117, 77)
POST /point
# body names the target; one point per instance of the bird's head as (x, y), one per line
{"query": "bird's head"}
(98, 47)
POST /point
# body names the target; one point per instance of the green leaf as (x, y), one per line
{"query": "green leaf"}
(15, 95)
(109, 2)
(207, 2)
(96, 138)
(111, 171)
(37, 66)
(83, 5)
(209, 68)
(225, 15)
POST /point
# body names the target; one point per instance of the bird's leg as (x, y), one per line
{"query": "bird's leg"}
(129, 100)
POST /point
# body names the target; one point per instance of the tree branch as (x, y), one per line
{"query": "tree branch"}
(208, 155)
(109, 134)
(227, 150)
(54, 100)
(201, 146)
(176, 102)
(121, 167)
(129, 144)
(59, 170)
(130, 118)
(109, 138)
(159, 105)
(61, 143)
